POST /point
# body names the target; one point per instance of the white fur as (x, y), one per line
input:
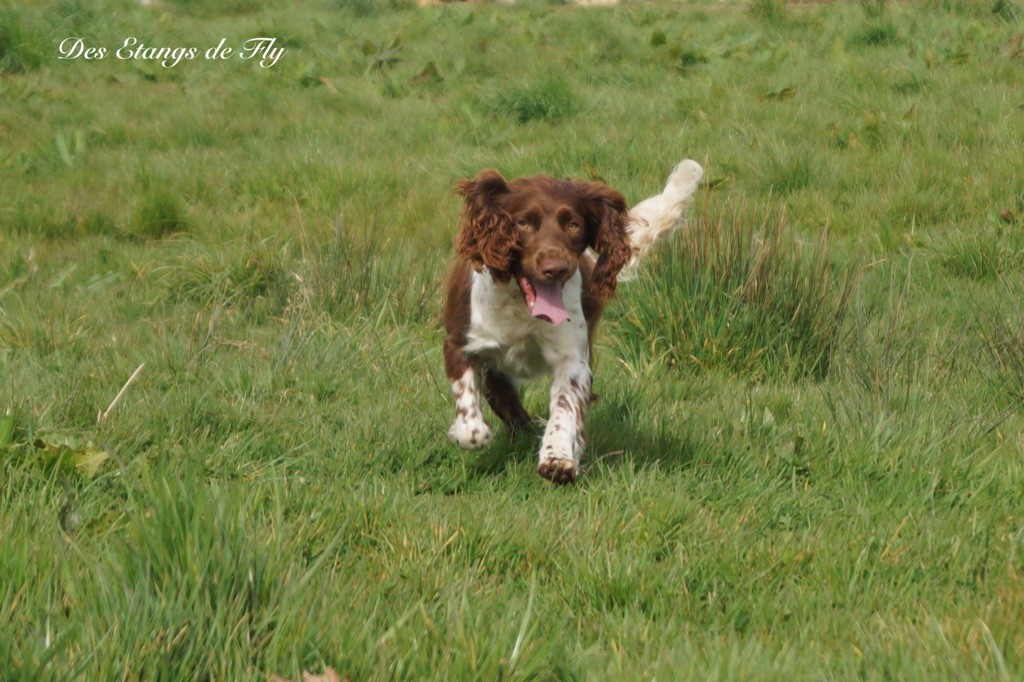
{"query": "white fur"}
(565, 436)
(657, 217)
(504, 335)
(469, 430)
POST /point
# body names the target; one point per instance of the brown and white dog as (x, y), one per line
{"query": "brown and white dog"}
(525, 292)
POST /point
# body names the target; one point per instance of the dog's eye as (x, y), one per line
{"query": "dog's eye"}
(524, 225)
(572, 226)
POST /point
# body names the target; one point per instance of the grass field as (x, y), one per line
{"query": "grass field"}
(807, 461)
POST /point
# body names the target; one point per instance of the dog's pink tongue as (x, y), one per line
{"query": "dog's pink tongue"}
(548, 305)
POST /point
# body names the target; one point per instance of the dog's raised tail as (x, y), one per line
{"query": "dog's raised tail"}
(657, 217)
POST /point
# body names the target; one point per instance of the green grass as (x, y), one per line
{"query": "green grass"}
(744, 295)
(805, 462)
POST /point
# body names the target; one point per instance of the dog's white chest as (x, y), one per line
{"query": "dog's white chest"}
(504, 335)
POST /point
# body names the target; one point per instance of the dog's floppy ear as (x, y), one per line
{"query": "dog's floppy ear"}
(606, 214)
(486, 233)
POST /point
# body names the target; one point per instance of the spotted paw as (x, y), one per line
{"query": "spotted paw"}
(470, 434)
(558, 470)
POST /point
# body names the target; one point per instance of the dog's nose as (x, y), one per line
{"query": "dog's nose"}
(554, 269)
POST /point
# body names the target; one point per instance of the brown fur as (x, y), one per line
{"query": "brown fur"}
(503, 397)
(486, 234)
(490, 233)
(456, 318)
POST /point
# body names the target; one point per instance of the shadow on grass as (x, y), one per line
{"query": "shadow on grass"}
(621, 430)
(618, 430)
(449, 470)
(505, 452)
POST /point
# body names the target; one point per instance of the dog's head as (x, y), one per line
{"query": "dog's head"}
(536, 229)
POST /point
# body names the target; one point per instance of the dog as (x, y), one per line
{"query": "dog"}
(525, 291)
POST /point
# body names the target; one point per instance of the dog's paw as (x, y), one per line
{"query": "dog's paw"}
(558, 469)
(470, 434)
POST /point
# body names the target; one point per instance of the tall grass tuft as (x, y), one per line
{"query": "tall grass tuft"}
(1007, 10)
(254, 274)
(877, 32)
(159, 215)
(550, 99)
(355, 276)
(194, 592)
(1000, 328)
(879, 372)
(743, 295)
(982, 255)
(770, 10)
(788, 172)
(873, 9)
(20, 39)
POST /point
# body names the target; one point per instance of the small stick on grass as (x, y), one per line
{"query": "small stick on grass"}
(113, 403)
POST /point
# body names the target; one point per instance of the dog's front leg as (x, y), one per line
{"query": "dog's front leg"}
(564, 437)
(468, 430)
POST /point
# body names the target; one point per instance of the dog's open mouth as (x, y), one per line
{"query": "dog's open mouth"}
(543, 300)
